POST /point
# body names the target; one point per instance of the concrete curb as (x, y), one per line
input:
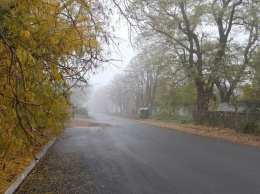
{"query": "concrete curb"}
(19, 180)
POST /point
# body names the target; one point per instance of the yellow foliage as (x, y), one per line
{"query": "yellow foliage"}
(39, 41)
(91, 43)
(26, 34)
(55, 74)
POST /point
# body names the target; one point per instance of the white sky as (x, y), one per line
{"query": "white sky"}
(124, 57)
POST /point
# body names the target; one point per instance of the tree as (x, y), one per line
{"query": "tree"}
(145, 70)
(251, 90)
(45, 45)
(205, 37)
(233, 56)
(137, 87)
(118, 91)
(172, 95)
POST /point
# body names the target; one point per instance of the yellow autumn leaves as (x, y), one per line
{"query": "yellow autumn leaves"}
(26, 34)
(40, 42)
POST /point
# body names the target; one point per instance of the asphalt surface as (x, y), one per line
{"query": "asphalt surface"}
(127, 156)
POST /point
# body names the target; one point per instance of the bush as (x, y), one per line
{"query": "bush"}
(251, 127)
(82, 111)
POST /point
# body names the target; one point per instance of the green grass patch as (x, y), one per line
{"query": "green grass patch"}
(81, 116)
(251, 127)
(174, 118)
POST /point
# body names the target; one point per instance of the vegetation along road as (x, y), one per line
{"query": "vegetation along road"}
(107, 154)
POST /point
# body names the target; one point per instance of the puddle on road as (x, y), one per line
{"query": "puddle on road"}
(82, 123)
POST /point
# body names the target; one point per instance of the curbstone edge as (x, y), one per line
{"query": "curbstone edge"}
(28, 169)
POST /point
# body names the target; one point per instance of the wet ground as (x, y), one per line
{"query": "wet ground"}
(116, 155)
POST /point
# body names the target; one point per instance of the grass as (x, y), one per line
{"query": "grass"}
(81, 116)
(175, 118)
(187, 125)
(181, 124)
(13, 167)
(251, 127)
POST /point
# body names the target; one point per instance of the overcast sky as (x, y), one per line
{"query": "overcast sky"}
(125, 55)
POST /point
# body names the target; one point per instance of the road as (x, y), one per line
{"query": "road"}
(126, 156)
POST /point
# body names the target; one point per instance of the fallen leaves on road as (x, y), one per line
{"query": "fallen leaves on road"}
(58, 172)
(15, 166)
(214, 132)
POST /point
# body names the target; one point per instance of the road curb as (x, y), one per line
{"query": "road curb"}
(28, 169)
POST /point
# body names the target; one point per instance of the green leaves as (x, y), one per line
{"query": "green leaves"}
(213, 41)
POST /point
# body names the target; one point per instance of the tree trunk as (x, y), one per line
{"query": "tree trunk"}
(224, 92)
(203, 95)
(203, 101)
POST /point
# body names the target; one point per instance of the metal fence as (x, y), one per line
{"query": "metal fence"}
(233, 120)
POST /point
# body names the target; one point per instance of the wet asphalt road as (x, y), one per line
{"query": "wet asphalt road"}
(131, 157)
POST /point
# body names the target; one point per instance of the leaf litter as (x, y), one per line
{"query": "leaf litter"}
(208, 131)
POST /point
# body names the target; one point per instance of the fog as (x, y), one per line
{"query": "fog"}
(99, 101)
(122, 57)
(96, 98)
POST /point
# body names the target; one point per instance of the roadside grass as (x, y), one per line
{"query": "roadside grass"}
(125, 115)
(85, 116)
(251, 127)
(247, 126)
(174, 118)
(185, 124)
(14, 166)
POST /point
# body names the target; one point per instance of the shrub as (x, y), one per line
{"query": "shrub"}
(82, 111)
(251, 127)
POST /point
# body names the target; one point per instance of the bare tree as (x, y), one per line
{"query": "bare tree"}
(213, 40)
